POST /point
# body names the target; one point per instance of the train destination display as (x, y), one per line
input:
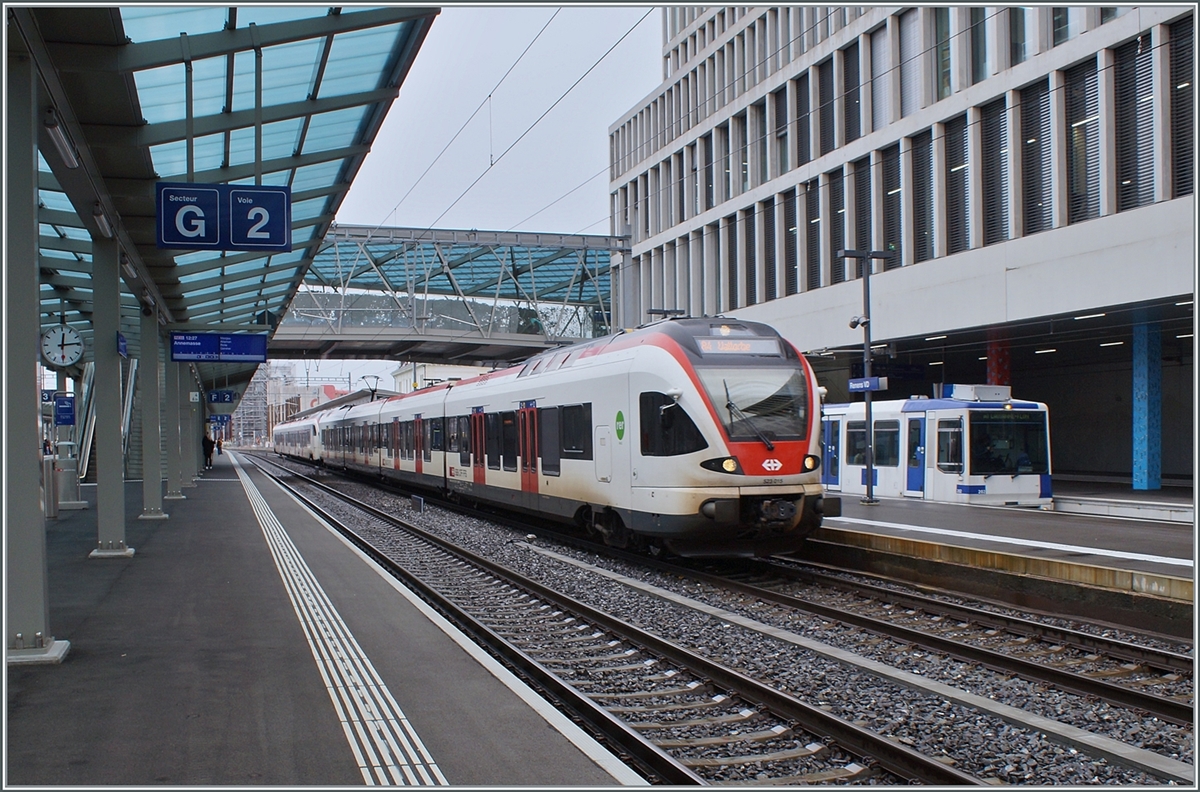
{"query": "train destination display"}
(222, 347)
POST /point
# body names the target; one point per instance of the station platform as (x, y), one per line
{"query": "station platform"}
(246, 644)
(1099, 496)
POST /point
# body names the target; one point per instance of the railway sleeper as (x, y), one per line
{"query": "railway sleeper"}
(733, 717)
(851, 772)
(1128, 669)
(691, 688)
(812, 749)
(716, 700)
(725, 739)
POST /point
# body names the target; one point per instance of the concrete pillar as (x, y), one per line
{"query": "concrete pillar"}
(171, 438)
(148, 368)
(1147, 407)
(27, 636)
(110, 458)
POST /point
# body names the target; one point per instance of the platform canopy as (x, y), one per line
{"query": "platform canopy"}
(249, 95)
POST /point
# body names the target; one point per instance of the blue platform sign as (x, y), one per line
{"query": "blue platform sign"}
(223, 217)
(219, 420)
(64, 410)
(860, 384)
(236, 348)
(221, 396)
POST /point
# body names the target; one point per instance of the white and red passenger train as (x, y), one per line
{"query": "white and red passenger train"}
(697, 436)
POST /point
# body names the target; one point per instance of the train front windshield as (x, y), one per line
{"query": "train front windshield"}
(1009, 442)
(758, 404)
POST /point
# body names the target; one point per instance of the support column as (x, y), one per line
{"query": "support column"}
(27, 637)
(999, 359)
(152, 499)
(172, 444)
(189, 443)
(110, 458)
(1147, 407)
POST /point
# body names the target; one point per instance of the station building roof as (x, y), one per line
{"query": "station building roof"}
(272, 95)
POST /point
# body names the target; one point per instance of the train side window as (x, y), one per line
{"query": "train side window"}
(949, 446)
(577, 431)
(437, 438)
(493, 440)
(426, 440)
(666, 428)
(464, 440)
(508, 435)
(856, 442)
(548, 437)
(452, 434)
(887, 443)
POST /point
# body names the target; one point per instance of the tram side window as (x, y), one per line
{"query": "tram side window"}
(464, 440)
(508, 435)
(887, 443)
(856, 442)
(666, 428)
(493, 440)
(577, 431)
(548, 437)
(949, 446)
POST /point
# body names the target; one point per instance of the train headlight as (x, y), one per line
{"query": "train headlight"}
(722, 465)
(811, 463)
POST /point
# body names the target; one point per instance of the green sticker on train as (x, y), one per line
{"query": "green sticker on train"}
(620, 425)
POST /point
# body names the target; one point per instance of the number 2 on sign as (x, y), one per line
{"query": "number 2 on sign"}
(264, 217)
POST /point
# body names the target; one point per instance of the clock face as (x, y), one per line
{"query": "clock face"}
(62, 345)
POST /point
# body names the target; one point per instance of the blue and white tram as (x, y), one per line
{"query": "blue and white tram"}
(984, 448)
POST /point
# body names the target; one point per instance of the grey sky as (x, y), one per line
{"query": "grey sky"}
(466, 54)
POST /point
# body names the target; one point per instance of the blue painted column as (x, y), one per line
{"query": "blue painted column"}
(1147, 407)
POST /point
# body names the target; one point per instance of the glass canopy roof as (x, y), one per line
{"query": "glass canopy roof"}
(120, 81)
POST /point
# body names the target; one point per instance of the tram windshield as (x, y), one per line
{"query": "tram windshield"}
(1009, 442)
(758, 404)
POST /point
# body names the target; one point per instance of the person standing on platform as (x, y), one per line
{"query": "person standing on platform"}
(219, 446)
(208, 445)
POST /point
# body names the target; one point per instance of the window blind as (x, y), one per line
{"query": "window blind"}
(837, 224)
(750, 242)
(791, 276)
(1083, 142)
(862, 208)
(958, 236)
(910, 62)
(850, 94)
(804, 122)
(812, 203)
(825, 109)
(1134, 123)
(994, 171)
(767, 212)
(1183, 93)
(881, 69)
(892, 225)
(1035, 157)
(922, 156)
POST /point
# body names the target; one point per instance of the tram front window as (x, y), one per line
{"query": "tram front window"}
(1009, 442)
(768, 403)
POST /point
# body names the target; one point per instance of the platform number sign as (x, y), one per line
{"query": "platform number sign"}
(223, 217)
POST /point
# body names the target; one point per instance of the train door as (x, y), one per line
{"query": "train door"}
(418, 443)
(478, 445)
(603, 453)
(527, 445)
(831, 438)
(914, 485)
(394, 442)
(946, 469)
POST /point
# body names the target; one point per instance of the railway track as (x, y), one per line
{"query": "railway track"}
(679, 716)
(658, 687)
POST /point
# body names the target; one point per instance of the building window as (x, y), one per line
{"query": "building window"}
(1060, 24)
(1134, 106)
(767, 211)
(892, 225)
(850, 93)
(1182, 93)
(791, 275)
(862, 208)
(910, 62)
(812, 202)
(723, 140)
(994, 153)
(706, 144)
(922, 157)
(1035, 157)
(979, 53)
(781, 139)
(941, 52)
(803, 121)
(881, 70)
(1017, 48)
(825, 105)
(750, 240)
(957, 186)
(731, 255)
(837, 227)
(1109, 13)
(741, 144)
(1083, 142)
(760, 144)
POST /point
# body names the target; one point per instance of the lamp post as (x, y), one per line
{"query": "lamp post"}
(865, 322)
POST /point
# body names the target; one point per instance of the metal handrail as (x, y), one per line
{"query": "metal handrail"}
(88, 412)
(127, 407)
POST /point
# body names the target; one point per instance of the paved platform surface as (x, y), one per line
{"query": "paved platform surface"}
(191, 664)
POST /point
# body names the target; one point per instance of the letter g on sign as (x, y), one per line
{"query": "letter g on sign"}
(194, 228)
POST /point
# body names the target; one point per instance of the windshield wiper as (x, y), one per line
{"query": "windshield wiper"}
(735, 410)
